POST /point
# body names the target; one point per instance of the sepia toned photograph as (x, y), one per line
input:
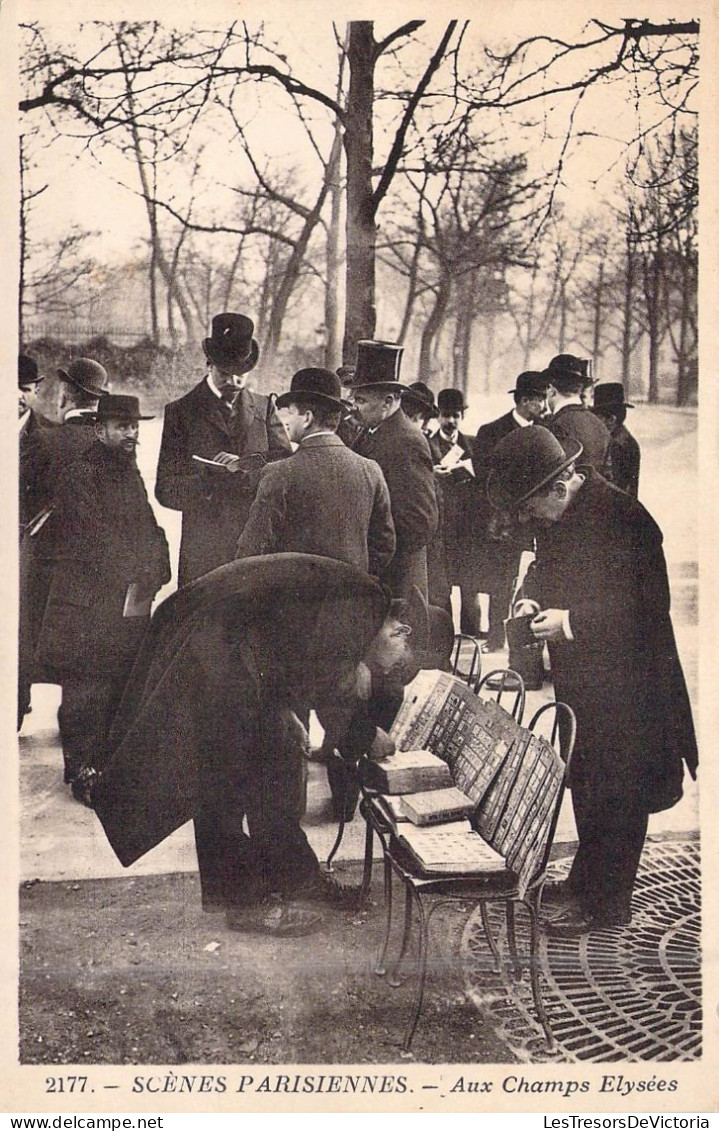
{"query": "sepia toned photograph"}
(358, 548)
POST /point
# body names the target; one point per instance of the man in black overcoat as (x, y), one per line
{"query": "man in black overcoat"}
(497, 553)
(220, 416)
(203, 730)
(611, 408)
(567, 378)
(601, 580)
(110, 558)
(458, 486)
(403, 454)
(31, 425)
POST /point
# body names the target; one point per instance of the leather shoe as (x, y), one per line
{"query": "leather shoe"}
(557, 893)
(575, 922)
(280, 920)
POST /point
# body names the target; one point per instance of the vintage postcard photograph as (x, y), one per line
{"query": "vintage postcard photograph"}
(355, 677)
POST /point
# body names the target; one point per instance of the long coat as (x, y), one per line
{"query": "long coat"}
(106, 538)
(496, 559)
(458, 490)
(621, 673)
(323, 500)
(214, 504)
(404, 457)
(33, 429)
(296, 626)
(626, 457)
(45, 457)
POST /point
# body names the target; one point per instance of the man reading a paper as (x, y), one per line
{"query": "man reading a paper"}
(110, 559)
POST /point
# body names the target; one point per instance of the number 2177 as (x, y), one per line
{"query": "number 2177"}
(65, 1083)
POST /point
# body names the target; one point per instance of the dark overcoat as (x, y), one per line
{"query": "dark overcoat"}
(494, 558)
(621, 673)
(626, 457)
(50, 451)
(31, 433)
(214, 504)
(296, 625)
(106, 538)
(458, 489)
(323, 500)
(402, 452)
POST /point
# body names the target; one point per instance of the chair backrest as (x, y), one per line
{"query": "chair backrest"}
(473, 673)
(503, 681)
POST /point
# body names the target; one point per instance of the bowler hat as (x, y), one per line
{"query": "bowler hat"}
(87, 375)
(116, 407)
(610, 394)
(530, 384)
(421, 396)
(451, 400)
(525, 461)
(27, 371)
(378, 366)
(432, 636)
(566, 365)
(231, 345)
(313, 384)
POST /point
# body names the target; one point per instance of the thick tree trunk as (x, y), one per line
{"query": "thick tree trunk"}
(361, 227)
(432, 327)
(627, 317)
(333, 352)
(23, 247)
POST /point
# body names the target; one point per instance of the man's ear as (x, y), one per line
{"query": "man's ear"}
(560, 488)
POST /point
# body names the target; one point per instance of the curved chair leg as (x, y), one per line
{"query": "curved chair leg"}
(512, 942)
(368, 863)
(534, 974)
(380, 968)
(394, 978)
(488, 933)
(421, 974)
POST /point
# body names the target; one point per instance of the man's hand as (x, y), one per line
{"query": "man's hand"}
(382, 747)
(229, 462)
(549, 624)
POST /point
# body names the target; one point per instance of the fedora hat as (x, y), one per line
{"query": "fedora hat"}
(231, 345)
(313, 384)
(114, 406)
(451, 400)
(525, 461)
(420, 395)
(27, 371)
(87, 375)
(610, 394)
(530, 384)
(378, 365)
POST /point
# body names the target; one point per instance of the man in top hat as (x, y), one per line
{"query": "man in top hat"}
(234, 432)
(455, 473)
(601, 581)
(418, 405)
(498, 553)
(404, 457)
(567, 377)
(110, 558)
(82, 384)
(225, 663)
(611, 408)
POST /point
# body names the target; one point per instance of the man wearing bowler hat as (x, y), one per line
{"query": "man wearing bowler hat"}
(498, 552)
(456, 477)
(611, 408)
(110, 558)
(567, 377)
(325, 499)
(404, 457)
(601, 580)
(232, 432)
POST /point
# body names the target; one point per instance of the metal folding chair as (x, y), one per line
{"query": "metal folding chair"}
(505, 680)
(473, 674)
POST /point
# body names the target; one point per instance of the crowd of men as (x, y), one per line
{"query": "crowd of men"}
(322, 533)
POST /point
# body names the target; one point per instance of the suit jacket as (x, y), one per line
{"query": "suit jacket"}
(404, 457)
(324, 500)
(625, 459)
(621, 673)
(577, 422)
(107, 537)
(292, 627)
(214, 504)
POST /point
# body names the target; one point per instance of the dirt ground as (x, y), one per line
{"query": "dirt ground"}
(131, 971)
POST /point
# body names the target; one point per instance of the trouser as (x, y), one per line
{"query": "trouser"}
(499, 590)
(85, 715)
(251, 770)
(611, 833)
(342, 778)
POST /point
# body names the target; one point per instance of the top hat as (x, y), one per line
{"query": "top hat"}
(114, 406)
(566, 365)
(451, 400)
(420, 395)
(530, 384)
(87, 375)
(378, 366)
(231, 345)
(524, 462)
(610, 394)
(27, 371)
(313, 384)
